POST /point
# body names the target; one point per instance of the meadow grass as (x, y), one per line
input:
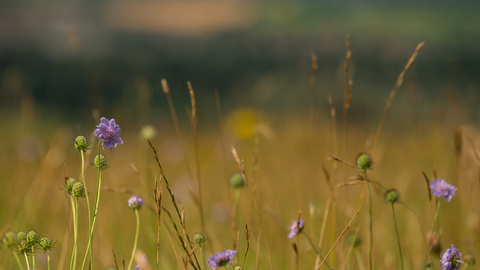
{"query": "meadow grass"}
(280, 175)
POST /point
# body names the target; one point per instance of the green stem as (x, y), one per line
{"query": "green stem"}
(97, 198)
(315, 249)
(398, 235)
(74, 231)
(33, 258)
(359, 260)
(201, 253)
(48, 259)
(26, 259)
(18, 260)
(75, 235)
(136, 239)
(237, 206)
(370, 225)
(89, 249)
(431, 234)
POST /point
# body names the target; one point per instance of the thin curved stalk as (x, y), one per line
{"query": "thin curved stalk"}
(136, 239)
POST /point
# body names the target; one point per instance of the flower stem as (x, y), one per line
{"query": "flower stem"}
(136, 239)
(89, 249)
(431, 234)
(201, 254)
(18, 260)
(26, 259)
(398, 235)
(74, 232)
(33, 258)
(370, 224)
(97, 198)
(75, 235)
(315, 249)
(48, 259)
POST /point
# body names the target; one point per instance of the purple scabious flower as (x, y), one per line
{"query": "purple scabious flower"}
(135, 202)
(449, 259)
(296, 227)
(109, 133)
(138, 267)
(221, 258)
(441, 188)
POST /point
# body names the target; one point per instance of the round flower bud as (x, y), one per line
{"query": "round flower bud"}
(69, 185)
(236, 180)
(78, 190)
(100, 162)
(237, 267)
(46, 244)
(198, 238)
(354, 240)
(10, 240)
(364, 162)
(392, 196)
(22, 237)
(32, 238)
(81, 144)
(135, 202)
(148, 132)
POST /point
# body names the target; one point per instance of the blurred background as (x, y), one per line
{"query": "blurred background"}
(65, 64)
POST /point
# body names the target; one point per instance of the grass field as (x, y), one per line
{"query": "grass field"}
(289, 160)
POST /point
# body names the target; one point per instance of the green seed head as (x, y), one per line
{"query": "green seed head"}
(32, 238)
(364, 162)
(46, 244)
(78, 190)
(236, 180)
(22, 238)
(237, 267)
(81, 144)
(69, 182)
(354, 239)
(100, 162)
(392, 196)
(198, 238)
(10, 240)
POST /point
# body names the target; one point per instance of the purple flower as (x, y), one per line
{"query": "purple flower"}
(135, 202)
(449, 259)
(296, 227)
(108, 132)
(441, 188)
(221, 258)
(138, 267)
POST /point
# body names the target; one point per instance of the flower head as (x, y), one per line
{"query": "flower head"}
(221, 258)
(449, 259)
(10, 240)
(236, 180)
(109, 133)
(81, 144)
(78, 190)
(69, 182)
(364, 162)
(198, 238)
(140, 263)
(100, 162)
(296, 227)
(135, 202)
(392, 196)
(46, 244)
(441, 188)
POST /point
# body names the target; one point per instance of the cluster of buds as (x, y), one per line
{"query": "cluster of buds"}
(26, 243)
(74, 188)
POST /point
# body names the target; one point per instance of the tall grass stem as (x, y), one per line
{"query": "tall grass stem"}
(88, 201)
(18, 260)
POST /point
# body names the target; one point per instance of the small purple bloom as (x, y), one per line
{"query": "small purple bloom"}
(296, 227)
(221, 258)
(449, 259)
(109, 133)
(441, 188)
(135, 202)
(138, 267)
